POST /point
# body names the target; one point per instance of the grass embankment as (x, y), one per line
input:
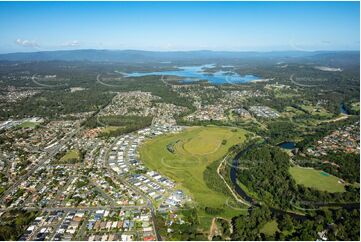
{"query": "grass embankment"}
(185, 162)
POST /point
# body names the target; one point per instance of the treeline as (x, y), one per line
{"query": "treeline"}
(267, 175)
(151, 84)
(212, 179)
(351, 110)
(186, 231)
(345, 165)
(247, 227)
(125, 124)
(279, 131)
(213, 211)
(335, 224)
(225, 229)
(55, 103)
(14, 222)
(250, 126)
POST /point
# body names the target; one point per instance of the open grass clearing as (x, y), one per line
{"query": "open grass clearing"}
(71, 155)
(355, 106)
(109, 129)
(316, 110)
(28, 124)
(270, 228)
(317, 179)
(290, 112)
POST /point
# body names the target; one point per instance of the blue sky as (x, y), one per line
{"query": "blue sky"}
(241, 26)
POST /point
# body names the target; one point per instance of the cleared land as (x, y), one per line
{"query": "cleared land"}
(28, 124)
(291, 112)
(183, 157)
(71, 155)
(355, 106)
(316, 110)
(109, 129)
(316, 179)
(270, 228)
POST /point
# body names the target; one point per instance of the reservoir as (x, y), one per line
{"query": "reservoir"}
(287, 145)
(197, 73)
(343, 109)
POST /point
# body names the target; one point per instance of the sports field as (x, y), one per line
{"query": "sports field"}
(183, 157)
(316, 179)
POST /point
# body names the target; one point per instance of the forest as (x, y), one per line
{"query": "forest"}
(265, 172)
(335, 224)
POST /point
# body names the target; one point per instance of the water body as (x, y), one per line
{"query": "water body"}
(343, 109)
(233, 175)
(287, 145)
(197, 73)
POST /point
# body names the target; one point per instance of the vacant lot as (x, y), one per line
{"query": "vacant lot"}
(28, 124)
(108, 129)
(71, 156)
(316, 110)
(190, 153)
(316, 179)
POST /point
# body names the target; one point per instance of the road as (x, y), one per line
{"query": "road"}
(103, 193)
(116, 177)
(299, 84)
(344, 116)
(53, 151)
(50, 154)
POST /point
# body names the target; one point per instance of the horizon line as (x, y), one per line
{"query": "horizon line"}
(194, 50)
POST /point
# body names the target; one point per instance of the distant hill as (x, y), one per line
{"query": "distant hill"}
(157, 56)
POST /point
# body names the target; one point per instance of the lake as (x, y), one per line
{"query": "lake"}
(197, 73)
(287, 145)
(343, 109)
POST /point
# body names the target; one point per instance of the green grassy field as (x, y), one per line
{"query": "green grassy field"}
(313, 110)
(109, 129)
(290, 112)
(270, 228)
(355, 106)
(316, 179)
(194, 149)
(71, 155)
(28, 124)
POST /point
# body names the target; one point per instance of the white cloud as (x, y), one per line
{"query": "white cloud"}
(27, 43)
(72, 43)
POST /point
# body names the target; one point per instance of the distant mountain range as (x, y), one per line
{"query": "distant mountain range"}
(158, 56)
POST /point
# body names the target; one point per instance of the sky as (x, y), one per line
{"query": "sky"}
(170, 26)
